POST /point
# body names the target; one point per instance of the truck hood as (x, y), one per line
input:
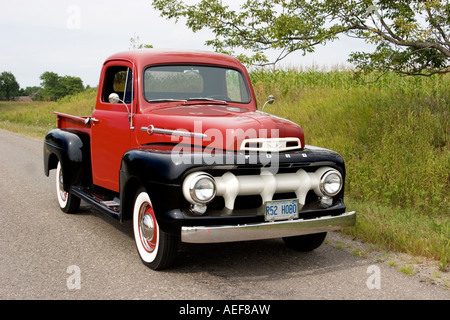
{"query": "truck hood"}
(225, 126)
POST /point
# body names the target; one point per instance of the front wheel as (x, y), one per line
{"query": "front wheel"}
(156, 248)
(306, 242)
(67, 201)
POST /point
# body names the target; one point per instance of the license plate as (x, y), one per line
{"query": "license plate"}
(281, 210)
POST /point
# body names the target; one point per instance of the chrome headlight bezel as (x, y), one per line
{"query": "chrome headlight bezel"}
(192, 187)
(331, 183)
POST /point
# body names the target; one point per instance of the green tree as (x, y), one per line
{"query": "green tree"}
(9, 87)
(71, 84)
(32, 92)
(50, 86)
(411, 37)
(55, 87)
(135, 44)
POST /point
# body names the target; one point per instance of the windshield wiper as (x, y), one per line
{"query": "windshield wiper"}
(189, 99)
(206, 99)
(166, 100)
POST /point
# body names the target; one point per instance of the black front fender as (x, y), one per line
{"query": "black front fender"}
(161, 178)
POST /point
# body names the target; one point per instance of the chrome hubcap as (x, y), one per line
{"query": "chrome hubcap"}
(62, 193)
(147, 227)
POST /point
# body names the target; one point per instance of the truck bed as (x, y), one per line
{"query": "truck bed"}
(70, 122)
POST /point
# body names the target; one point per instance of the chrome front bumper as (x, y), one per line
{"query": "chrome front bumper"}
(266, 230)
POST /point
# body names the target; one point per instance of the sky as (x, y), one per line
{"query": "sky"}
(74, 37)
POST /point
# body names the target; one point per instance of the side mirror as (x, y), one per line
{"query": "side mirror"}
(113, 98)
(270, 100)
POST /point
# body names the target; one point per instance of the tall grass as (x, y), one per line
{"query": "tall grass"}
(393, 134)
(36, 118)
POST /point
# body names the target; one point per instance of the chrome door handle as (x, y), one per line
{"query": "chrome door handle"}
(89, 120)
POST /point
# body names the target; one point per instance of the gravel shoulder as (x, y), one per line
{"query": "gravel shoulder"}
(421, 268)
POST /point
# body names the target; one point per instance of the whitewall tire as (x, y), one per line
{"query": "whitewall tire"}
(156, 248)
(68, 203)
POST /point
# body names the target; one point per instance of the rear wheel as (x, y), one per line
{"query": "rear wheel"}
(67, 201)
(306, 242)
(157, 249)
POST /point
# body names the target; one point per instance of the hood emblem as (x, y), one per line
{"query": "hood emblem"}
(271, 144)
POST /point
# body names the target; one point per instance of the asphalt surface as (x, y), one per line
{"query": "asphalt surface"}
(46, 254)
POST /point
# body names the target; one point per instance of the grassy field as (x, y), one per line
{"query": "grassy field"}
(36, 118)
(393, 134)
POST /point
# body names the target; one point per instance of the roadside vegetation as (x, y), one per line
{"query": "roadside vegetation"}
(36, 118)
(393, 131)
(53, 87)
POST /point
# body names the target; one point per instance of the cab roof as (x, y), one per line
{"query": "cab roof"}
(145, 57)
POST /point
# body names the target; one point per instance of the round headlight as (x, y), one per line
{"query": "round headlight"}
(204, 189)
(331, 183)
(199, 188)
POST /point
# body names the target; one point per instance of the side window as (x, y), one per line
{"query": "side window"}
(118, 80)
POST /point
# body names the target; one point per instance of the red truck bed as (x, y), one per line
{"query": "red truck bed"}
(67, 121)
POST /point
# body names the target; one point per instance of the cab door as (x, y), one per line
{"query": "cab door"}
(110, 124)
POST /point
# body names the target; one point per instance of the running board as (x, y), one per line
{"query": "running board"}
(102, 199)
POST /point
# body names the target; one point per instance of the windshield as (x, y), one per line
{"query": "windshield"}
(190, 82)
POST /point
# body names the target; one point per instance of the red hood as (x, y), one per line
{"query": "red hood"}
(225, 126)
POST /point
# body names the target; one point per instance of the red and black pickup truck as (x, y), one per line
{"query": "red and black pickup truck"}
(177, 144)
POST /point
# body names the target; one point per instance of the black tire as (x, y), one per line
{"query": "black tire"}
(306, 242)
(68, 203)
(157, 249)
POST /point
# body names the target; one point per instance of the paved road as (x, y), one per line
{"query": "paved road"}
(45, 254)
